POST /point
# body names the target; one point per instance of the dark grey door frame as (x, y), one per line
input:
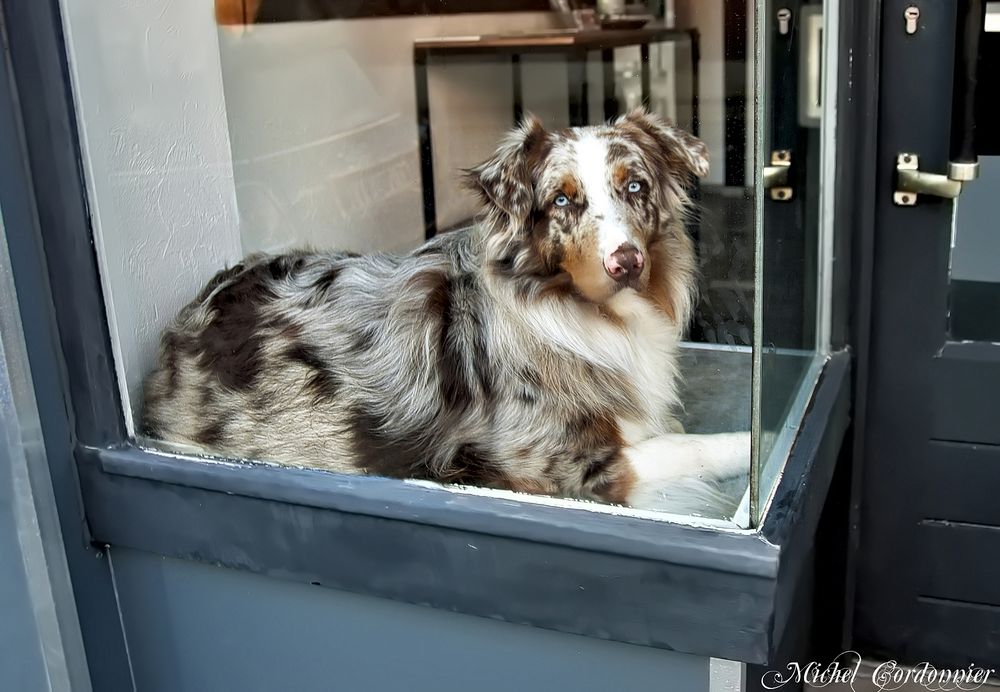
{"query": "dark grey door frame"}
(41, 646)
(38, 150)
(926, 449)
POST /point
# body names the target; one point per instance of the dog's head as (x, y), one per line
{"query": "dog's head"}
(585, 205)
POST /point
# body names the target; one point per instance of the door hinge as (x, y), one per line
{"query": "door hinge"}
(912, 182)
(776, 175)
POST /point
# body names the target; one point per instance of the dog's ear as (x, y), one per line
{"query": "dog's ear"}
(504, 182)
(674, 148)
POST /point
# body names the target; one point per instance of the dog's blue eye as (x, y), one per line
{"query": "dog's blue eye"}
(562, 201)
(634, 186)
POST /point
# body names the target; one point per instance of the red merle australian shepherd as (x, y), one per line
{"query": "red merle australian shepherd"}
(534, 351)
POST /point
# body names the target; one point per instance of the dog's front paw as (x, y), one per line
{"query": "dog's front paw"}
(691, 474)
(729, 455)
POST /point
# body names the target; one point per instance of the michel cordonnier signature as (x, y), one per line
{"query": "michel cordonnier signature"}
(845, 669)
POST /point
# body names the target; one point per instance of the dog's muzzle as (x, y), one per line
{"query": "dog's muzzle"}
(624, 264)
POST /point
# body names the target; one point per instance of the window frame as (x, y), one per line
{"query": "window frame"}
(717, 593)
(370, 9)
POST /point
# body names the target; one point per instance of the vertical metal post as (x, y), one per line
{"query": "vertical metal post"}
(517, 86)
(695, 85)
(576, 66)
(424, 142)
(644, 71)
(971, 25)
(610, 98)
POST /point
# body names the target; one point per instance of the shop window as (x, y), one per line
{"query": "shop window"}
(267, 128)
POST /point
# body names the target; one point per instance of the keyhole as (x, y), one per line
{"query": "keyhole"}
(784, 17)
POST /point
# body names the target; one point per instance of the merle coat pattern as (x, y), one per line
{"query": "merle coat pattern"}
(534, 351)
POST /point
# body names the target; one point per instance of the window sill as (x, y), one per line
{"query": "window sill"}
(692, 589)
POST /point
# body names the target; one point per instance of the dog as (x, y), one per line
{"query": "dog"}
(535, 351)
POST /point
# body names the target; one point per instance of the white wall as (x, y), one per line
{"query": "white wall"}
(323, 127)
(322, 117)
(708, 17)
(152, 119)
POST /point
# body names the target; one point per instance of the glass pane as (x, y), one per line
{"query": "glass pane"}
(331, 236)
(797, 138)
(975, 267)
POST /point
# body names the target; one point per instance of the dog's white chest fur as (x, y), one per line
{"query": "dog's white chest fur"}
(651, 340)
(641, 345)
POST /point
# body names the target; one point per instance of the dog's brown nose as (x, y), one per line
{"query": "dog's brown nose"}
(625, 263)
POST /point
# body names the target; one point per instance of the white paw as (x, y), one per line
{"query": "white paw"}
(684, 474)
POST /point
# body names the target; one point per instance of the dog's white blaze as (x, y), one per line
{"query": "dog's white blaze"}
(592, 167)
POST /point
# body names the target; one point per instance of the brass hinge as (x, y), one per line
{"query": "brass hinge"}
(912, 182)
(776, 175)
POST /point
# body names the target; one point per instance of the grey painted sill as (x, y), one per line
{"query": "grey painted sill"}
(686, 588)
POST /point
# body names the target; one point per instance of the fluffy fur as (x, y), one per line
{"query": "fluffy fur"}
(505, 355)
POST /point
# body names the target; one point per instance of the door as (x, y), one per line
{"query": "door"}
(928, 581)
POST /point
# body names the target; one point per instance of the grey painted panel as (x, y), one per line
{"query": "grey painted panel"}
(598, 592)
(41, 647)
(964, 481)
(952, 632)
(22, 665)
(964, 386)
(192, 626)
(41, 192)
(959, 567)
(976, 255)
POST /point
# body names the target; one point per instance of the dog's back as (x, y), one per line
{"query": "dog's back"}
(316, 359)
